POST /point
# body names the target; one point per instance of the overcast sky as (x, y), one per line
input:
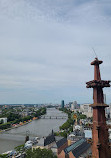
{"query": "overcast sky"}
(46, 49)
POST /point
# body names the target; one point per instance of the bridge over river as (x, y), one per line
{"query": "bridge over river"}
(54, 117)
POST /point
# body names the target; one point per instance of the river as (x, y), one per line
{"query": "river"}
(40, 128)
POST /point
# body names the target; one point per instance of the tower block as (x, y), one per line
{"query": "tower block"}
(100, 143)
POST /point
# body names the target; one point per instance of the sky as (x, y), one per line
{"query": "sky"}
(46, 49)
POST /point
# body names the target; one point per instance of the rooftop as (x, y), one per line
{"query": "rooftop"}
(75, 145)
(81, 149)
(61, 142)
(49, 139)
(78, 147)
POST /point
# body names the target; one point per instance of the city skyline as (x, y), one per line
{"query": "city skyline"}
(46, 49)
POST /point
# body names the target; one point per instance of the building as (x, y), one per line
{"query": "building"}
(88, 133)
(74, 106)
(47, 142)
(62, 104)
(75, 136)
(61, 144)
(3, 119)
(70, 103)
(76, 150)
(100, 143)
(0, 111)
(86, 110)
(55, 143)
(108, 111)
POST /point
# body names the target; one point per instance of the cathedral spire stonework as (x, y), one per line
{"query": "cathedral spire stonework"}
(100, 142)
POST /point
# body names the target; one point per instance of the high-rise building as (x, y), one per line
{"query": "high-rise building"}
(86, 110)
(75, 104)
(105, 98)
(72, 106)
(100, 138)
(70, 103)
(62, 104)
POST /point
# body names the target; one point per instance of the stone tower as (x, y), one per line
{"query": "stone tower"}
(100, 142)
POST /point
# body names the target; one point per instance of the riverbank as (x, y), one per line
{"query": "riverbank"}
(19, 125)
(22, 121)
(38, 128)
(67, 127)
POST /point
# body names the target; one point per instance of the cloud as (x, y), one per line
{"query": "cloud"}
(46, 49)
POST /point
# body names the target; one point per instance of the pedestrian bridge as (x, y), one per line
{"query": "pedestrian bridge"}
(53, 117)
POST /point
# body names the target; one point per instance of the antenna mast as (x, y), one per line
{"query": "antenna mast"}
(94, 52)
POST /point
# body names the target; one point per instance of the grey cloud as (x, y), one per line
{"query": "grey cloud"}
(46, 49)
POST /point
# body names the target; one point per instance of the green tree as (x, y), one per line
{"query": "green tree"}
(20, 148)
(3, 156)
(67, 124)
(40, 153)
(63, 134)
(5, 126)
(1, 122)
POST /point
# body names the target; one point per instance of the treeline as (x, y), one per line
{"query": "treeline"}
(35, 153)
(67, 111)
(5, 125)
(12, 116)
(40, 153)
(16, 118)
(80, 115)
(69, 122)
(68, 125)
(40, 112)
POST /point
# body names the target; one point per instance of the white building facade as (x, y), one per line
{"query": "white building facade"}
(86, 110)
(4, 120)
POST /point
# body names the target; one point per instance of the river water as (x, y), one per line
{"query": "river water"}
(40, 128)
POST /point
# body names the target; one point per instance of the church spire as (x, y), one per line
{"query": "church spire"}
(100, 145)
